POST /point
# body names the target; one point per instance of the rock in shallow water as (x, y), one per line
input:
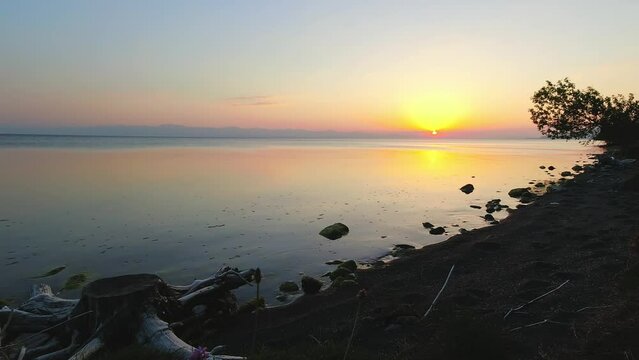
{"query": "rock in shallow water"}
(310, 285)
(437, 231)
(334, 262)
(351, 265)
(288, 287)
(518, 192)
(335, 231)
(467, 189)
(402, 249)
(339, 272)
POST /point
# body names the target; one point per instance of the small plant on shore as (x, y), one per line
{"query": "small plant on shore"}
(259, 303)
(361, 295)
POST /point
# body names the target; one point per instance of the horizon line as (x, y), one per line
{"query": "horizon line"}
(182, 131)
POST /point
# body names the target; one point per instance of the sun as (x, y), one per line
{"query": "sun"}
(435, 111)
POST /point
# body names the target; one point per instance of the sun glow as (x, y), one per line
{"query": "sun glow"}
(435, 111)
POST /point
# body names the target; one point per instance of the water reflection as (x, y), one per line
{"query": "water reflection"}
(183, 212)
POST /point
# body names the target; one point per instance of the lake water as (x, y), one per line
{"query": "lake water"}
(182, 208)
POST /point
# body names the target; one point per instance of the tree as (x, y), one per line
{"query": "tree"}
(561, 111)
(620, 123)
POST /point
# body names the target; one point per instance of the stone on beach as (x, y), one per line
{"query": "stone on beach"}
(437, 231)
(335, 231)
(311, 285)
(350, 265)
(518, 192)
(402, 249)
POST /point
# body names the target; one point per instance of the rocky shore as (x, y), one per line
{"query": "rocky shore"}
(558, 279)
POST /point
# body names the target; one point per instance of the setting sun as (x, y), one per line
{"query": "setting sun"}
(435, 111)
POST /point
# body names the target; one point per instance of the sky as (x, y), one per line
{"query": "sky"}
(465, 67)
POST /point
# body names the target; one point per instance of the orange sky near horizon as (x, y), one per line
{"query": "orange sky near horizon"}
(373, 67)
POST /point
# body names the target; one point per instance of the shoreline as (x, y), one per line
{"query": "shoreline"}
(580, 237)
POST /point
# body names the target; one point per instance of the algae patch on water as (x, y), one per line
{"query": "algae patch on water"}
(50, 272)
(75, 281)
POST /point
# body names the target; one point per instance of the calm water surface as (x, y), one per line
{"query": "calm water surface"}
(182, 208)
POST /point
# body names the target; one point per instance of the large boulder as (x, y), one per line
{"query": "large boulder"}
(335, 231)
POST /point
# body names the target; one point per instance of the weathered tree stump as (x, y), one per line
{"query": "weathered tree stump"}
(116, 312)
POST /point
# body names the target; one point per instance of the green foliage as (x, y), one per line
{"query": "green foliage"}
(620, 123)
(561, 111)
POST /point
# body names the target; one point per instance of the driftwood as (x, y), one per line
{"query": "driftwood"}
(546, 321)
(535, 299)
(114, 312)
(430, 308)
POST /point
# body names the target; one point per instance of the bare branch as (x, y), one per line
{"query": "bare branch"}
(430, 308)
(546, 321)
(535, 299)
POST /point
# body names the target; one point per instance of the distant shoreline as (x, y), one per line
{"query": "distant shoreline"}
(442, 138)
(238, 132)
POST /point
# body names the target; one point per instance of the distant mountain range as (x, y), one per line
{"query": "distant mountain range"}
(236, 132)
